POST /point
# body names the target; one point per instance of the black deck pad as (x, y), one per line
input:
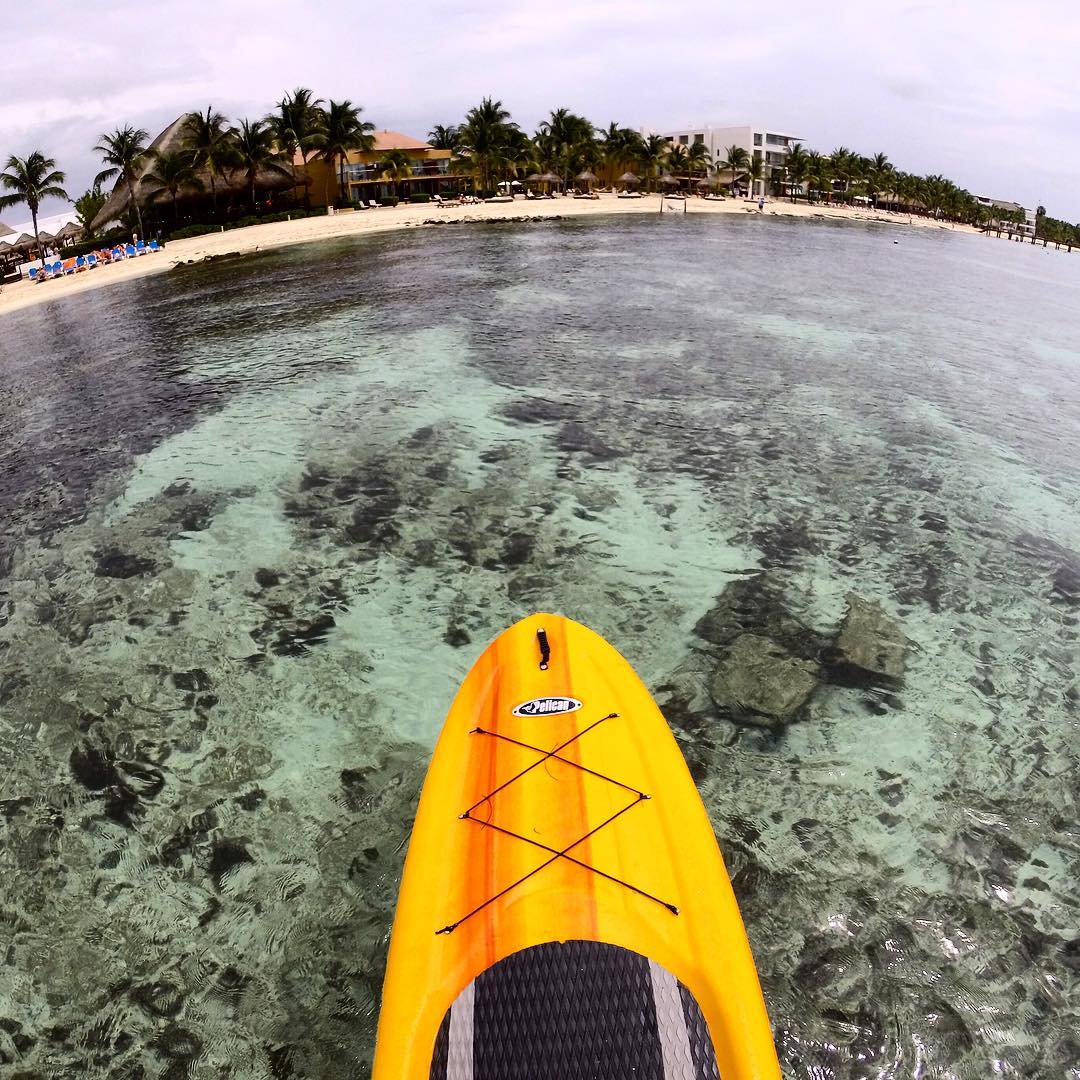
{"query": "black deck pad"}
(574, 1010)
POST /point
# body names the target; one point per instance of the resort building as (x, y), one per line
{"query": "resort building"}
(770, 147)
(1025, 229)
(362, 174)
(231, 189)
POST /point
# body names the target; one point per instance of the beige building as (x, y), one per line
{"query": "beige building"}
(361, 173)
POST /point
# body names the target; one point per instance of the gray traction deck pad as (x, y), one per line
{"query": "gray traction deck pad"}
(574, 1010)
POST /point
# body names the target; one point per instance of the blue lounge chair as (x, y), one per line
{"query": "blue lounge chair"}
(140, 248)
(81, 263)
(117, 253)
(154, 245)
(91, 260)
(33, 274)
(129, 251)
(57, 269)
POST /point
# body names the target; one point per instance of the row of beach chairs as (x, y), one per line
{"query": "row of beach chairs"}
(64, 267)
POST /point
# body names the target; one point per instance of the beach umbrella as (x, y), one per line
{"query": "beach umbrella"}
(533, 178)
(587, 178)
(628, 178)
(667, 178)
(703, 183)
(45, 237)
(551, 178)
(71, 231)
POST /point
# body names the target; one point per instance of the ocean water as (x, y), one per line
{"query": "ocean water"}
(260, 516)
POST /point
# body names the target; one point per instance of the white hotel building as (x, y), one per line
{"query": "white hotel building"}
(758, 142)
(1026, 229)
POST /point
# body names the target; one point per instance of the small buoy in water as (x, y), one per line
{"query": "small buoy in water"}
(896, 241)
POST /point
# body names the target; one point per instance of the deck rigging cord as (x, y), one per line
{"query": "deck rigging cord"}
(556, 854)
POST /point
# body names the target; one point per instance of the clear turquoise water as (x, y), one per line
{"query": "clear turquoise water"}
(260, 517)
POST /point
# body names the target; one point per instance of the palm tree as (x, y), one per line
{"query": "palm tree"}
(653, 155)
(737, 162)
(755, 171)
(255, 150)
(297, 123)
(573, 139)
(344, 131)
(698, 159)
(880, 174)
(517, 153)
(797, 167)
(619, 147)
(210, 141)
(483, 138)
(444, 137)
(169, 174)
(397, 166)
(844, 167)
(678, 161)
(819, 172)
(87, 206)
(30, 180)
(123, 151)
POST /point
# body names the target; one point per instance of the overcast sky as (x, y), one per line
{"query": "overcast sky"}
(985, 92)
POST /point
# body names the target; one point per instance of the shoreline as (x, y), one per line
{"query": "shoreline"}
(253, 238)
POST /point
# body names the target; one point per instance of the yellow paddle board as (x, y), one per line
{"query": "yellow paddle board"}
(564, 911)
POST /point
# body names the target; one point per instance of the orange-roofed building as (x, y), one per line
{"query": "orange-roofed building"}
(360, 175)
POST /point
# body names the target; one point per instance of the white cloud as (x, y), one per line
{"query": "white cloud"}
(981, 90)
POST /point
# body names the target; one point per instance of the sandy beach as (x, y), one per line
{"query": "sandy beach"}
(357, 223)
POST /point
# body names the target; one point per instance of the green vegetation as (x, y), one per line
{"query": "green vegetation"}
(88, 205)
(488, 149)
(211, 144)
(170, 174)
(30, 180)
(123, 152)
(340, 131)
(253, 144)
(1054, 230)
(397, 167)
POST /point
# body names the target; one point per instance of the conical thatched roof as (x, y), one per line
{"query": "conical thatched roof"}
(70, 229)
(170, 141)
(4, 230)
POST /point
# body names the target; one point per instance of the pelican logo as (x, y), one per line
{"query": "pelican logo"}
(547, 706)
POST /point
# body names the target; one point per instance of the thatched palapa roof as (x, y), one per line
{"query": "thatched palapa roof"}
(171, 141)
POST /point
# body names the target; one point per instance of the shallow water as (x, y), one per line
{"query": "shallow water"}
(260, 517)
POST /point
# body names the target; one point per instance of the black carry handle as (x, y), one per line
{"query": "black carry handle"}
(545, 648)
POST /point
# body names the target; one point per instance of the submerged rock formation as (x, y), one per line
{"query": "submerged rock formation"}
(755, 605)
(871, 646)
(762, 682)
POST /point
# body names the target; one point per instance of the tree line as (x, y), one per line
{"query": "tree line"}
(211, 151)
(488, 147)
